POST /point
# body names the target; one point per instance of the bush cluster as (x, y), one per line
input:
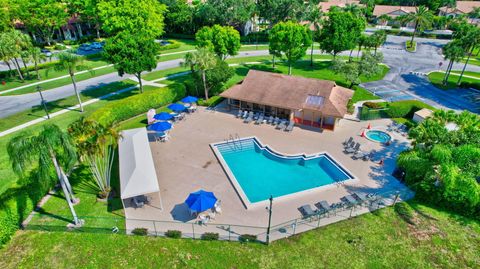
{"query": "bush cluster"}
(212, 101)
(374, 105)
(173, 234)
(255, 37)
(140, 231)
(468, 85)
(173, 45)
(210, 236)
(126, 108)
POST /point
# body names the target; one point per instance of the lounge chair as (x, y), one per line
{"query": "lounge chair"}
(371, 156)
(306, 211)
(259, 119)
(353, 149)
(359, 155)
(360, 196)
(282, 125)
(323, 207)
(245, 114)
(350, 145)
(347, 142)
(240, 113)
(270, 120)
(290, 126)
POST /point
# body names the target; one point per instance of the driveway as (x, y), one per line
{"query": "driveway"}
(406, 79)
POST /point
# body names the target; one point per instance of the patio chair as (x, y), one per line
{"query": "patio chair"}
(347, 142)
(249, 118)
(361, 197)
(359, 155)
(276, 121)
(137, 203)
(307, 211)
(270, 120)
(371, 156)
(352, 149)
(245, 114)
(282, 125)
(259, 119)
(290, 126)
(240, 113)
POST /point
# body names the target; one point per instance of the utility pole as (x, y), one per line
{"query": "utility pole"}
(43, 102)
(269, 218)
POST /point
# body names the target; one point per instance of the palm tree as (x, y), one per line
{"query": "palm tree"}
(71, 63)
(314, 16)
(474, 14)
(422, 18)
(202, 60)
(453, 51)
(470, 40)
(21, 42)
(37, 56)
(51, 148)
(96, 146)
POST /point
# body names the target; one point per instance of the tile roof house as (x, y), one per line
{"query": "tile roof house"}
(307, 101)
(325, 6)
(462, 7)
(393, 12)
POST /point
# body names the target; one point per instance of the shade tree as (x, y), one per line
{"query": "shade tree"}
(223, 40)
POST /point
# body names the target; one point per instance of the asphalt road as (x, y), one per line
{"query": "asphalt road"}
(399, 79)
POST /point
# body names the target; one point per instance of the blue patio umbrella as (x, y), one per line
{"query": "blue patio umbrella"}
(163, 116)
(160, 126)
(190, 99)
(176, 107)
(201, 200)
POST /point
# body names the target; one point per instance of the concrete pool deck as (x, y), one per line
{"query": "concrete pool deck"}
(186, 163)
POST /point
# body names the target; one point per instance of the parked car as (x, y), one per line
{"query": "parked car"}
(47, 53)
(96, 45)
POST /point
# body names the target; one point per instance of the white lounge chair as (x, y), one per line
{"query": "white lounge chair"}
(290, 126)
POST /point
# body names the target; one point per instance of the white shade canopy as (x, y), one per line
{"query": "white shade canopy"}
(137, 170)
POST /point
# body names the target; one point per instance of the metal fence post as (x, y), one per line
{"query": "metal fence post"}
(229, 229)
(318, 222)
(193, 230)
(294, 226)
(351, 211)
(155, 228)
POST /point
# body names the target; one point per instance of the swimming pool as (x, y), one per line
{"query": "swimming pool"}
(257, 171)
(378, 136)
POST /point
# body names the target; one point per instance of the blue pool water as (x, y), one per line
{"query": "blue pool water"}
(261, 172)
(378, 136)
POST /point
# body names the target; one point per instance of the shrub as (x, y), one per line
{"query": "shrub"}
(247, 238)
(97, 55)
(255, 37)
(140, 231)
(405, 109)
(374, 105)
(212, 101)
(126, 108)
(60, 47)
(468, 84)
(173, 45)
(210, 236)
(173, 234)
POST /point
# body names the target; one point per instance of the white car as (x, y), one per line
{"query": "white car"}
(47, 52)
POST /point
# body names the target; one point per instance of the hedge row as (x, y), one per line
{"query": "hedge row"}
(126, 108)
(399, 109)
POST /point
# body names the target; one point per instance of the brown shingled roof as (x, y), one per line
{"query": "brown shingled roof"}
(291, 92)
(338, 3)
(464, 7)
(380, 10)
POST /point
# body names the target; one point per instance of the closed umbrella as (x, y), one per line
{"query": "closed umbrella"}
(201, 200)
(163, 116)
(176, 107)
(161, 126)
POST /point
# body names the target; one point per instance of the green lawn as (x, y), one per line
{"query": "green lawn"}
(44, 74)
(411, 47)
(436, 79)
(6, 174)
(384, 239)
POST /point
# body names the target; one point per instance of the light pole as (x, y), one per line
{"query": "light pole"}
(43, 102)
(269, 218)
